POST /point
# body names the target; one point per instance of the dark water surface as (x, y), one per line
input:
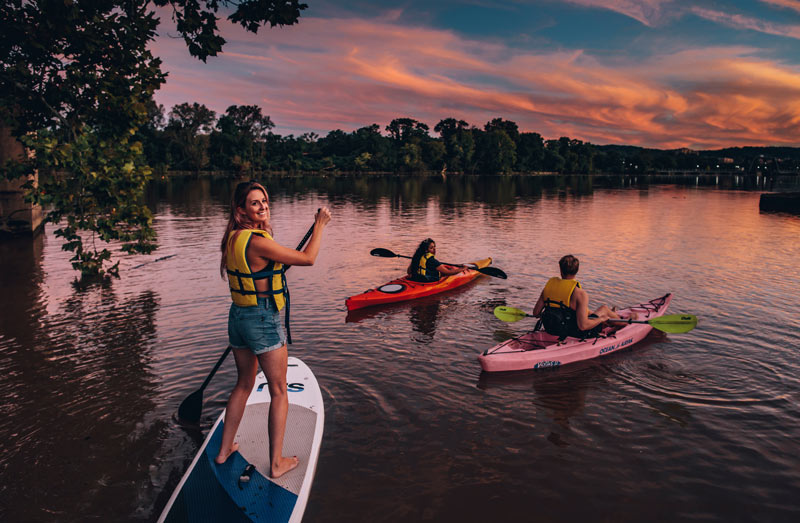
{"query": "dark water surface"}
(702, 426)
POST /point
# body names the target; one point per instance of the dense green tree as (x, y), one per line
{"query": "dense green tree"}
(552, 161)
(460, 148)
(370, 140)
(449, 127)
(433, 153)
(237, 142)
(578, 157)
(609, 161)
(530, 152)
(187, 133)
(407, 129)
(458, 142)
(76, 80)
(151, 134)
(498, 124)
(336, 143)
(498, 152)
(411, 157)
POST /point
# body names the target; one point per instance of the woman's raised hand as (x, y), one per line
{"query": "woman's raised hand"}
(323, 216)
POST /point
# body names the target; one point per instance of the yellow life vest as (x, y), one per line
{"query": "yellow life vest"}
(422, 266)
(557, 290)
(241, 279)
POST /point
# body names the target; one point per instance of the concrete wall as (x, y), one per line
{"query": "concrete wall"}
(17, 217)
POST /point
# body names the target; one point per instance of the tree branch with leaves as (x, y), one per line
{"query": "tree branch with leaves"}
(76, 84)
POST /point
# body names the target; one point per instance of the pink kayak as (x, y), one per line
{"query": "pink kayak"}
(537, 350)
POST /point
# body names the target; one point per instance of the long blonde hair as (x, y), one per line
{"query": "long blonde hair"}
(238, 221)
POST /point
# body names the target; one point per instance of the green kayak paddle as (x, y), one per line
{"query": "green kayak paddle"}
(671, 323)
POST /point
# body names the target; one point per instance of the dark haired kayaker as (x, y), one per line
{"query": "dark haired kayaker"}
(254, 264)
(563, 306)
(424, 267)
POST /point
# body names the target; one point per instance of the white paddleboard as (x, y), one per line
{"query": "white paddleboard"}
(211, 492)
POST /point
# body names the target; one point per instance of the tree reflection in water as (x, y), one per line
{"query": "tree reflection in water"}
(77, 386)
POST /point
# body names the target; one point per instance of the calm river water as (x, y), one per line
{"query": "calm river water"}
(700, 426)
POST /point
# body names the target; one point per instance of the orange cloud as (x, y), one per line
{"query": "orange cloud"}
(346, 73)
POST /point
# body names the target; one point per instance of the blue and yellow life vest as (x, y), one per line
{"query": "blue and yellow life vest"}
(422, 268)
(242, 280)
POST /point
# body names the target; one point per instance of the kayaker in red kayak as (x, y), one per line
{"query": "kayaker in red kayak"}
(424, 267)
(563, 306)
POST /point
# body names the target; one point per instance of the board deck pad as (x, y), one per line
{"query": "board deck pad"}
(211, 492)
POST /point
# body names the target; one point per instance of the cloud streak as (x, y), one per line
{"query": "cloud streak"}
(789, 4)
(647, 12)
(345, 73)
(737, 21)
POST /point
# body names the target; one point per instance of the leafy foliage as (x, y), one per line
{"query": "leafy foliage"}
(96, 187)
(76, 86)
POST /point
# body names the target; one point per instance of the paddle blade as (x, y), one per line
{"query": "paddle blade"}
(674, 323)
(383, 253)
(192, 407)
(509, 314)
(493, 271)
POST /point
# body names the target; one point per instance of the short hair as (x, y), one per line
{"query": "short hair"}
(569, 265)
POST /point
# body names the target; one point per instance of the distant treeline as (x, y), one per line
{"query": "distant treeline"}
(192, 138)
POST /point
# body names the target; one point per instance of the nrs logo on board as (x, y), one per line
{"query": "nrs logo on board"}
(291, 387)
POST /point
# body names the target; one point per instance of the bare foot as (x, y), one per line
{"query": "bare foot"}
(223, 456)
(283, 466)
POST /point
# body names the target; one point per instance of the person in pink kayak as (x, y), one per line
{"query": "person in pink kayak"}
(563, 305)
(424, 267)
(255, 264)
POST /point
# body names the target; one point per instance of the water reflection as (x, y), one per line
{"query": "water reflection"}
(423, 313)
(76, 387)
(561, 394)
(190, 196)
(92, 376)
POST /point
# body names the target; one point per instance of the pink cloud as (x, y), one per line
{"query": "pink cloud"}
(346, 73)
(789, 4)
(745, 22)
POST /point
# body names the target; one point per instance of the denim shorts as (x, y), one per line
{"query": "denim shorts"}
(256, 328)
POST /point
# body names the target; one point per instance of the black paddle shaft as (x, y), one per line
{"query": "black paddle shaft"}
(489, 271)
(304, 240)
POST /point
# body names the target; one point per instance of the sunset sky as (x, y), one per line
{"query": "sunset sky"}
(655, 73)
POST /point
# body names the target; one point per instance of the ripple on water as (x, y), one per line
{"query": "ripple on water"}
(720, 379)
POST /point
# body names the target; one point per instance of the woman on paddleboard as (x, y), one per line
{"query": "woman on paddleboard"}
(254, 264)
(424, 267)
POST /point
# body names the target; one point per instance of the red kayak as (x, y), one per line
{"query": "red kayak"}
(404, 289)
